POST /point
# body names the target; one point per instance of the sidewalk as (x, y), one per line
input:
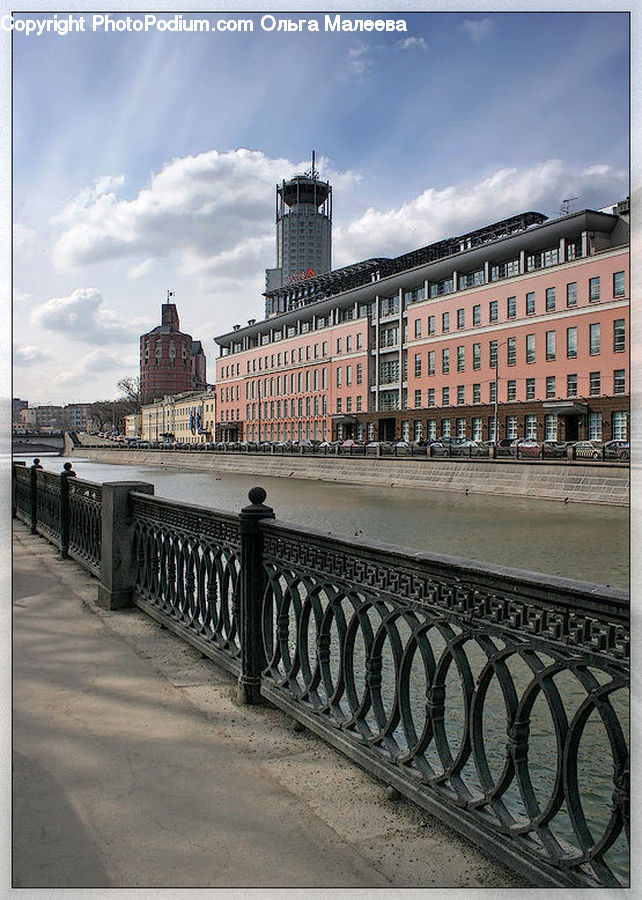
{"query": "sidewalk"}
(134, 767)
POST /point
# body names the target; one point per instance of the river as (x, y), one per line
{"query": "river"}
(589, 542)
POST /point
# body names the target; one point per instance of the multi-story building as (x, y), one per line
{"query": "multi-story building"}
(530, 313)
(186, 418)
(42, 418)
(16, 406)
(133, 425)
(303, 230)
(76, 416)
(171, 362)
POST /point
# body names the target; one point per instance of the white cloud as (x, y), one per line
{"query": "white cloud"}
(436, 214)
(477, 29)
(20, 297)
(141, 269)
(29, 355)
(359, 60)
(412, 42)
(94, 365)
(81, 316)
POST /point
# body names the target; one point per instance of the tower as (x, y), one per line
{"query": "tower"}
(303, 229)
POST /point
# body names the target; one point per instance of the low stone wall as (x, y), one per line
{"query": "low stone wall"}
(572, 482)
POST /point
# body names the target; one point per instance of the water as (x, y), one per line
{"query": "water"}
(589, 542)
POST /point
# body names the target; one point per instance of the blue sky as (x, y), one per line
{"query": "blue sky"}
(146, 162)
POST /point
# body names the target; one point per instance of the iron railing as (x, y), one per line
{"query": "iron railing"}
(188, 573)
(495, 698)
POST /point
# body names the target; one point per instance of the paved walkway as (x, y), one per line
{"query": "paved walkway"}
(134, 767)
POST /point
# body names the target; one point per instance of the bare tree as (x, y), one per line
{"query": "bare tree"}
(129, 387)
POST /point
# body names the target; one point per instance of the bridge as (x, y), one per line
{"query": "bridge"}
(496, 700)
(36, 442)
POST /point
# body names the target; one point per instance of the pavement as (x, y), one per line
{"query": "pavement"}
(134, 767)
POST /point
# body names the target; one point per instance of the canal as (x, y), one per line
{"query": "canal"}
(589, 542)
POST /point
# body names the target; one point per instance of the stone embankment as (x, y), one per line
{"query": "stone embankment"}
(542, 480)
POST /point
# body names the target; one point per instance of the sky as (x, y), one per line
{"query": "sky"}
(147, 161)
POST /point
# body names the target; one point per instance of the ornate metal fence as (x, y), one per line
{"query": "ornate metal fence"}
(85, 522)
(495, 698)
(187, 573)
(22, 493)
(48, 507)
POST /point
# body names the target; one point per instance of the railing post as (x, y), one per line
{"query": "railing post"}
(33, 473)
(14, 487)
(117, 565)
(252, 588)
(63, 509)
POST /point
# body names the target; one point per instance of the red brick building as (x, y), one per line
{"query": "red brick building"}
(171, 362)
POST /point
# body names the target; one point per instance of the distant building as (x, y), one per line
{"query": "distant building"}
(303, 230)
(529, 311)
(186, 418)
(16, 406)
(42, 418)
(76, 416)
(133, 425)
(171, 362)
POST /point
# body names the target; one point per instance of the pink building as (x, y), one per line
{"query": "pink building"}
(405, 347)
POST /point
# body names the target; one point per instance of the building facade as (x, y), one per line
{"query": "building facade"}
(185, 418)
(171, 362)
(532, 311)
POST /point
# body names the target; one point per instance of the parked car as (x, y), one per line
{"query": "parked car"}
(526, 447)
(438, 449)
(555, 449)
(617, 450)
(587, 449)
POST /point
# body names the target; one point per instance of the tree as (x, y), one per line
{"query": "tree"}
(130, 390)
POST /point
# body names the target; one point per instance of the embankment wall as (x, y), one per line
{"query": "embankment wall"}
(571, 482)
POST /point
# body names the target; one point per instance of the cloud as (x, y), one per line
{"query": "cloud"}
(141, 269)
(20, 297)
(29, 356)
(93, 366)
(477, 29)
(81, 317)
(411, 43)
(359, 60)
(436, 214)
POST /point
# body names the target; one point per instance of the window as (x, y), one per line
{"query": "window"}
(477, 393)
(530, 388)
(461, 359)
(431, 396)
(594, 339)
(492, 392)
(348, 376)
(431, 429)
(550, 427)
(461, 395)
(493, 311)
(619, 287)
(445, 427)
(530, 304)
(348, 404)
(339, 406)
(571, 293)
(349, 343)
(550, 299)
(619, 381)
(445, 396)
(339, 377)
(431, 362)
(417, 430)
(324, 349)
(619, 335)
(360, 338)
(530, 426)
(511, 389)
(571, 343)
(476, 356)
(477, 314)
(417, 399)
(460, 428)
(445, 361)
(338, 345)
(417, 365)
(492, 347)
(594, 289)
(595, 426)
(571, 385)
(511, 349)
(550, 345)
(550, 387)
(417, 328)
(359, 373)
(359, 403)
(511, 307)
(511, 427)
(491, 429)
(461, 318)
(530, 348)
(431, 325)
(620, 430)
(477, 428)
(595, 384)
(445, 321)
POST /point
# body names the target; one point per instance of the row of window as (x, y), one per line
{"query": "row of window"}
(594, 294)
(619, 345)
(461, 396)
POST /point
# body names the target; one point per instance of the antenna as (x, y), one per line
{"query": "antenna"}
(314, 173)
(565, 208)
(170, 294)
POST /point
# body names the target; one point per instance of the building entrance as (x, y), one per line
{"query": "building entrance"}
(386, 429)
(571, 428)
